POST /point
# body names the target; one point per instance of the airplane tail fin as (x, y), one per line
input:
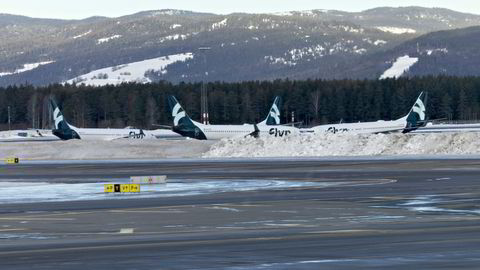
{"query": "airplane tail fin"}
(182, 124)
(61, 129)
(417, 116)
(273, 116)
(180, 117)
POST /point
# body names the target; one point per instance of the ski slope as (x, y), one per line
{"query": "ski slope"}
(401, 65)
(131, 72)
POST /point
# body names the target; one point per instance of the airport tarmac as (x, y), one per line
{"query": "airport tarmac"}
(358, 213)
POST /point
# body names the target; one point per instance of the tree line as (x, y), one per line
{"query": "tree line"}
(312, 101)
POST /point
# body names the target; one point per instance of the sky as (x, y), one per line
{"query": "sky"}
(79, 9)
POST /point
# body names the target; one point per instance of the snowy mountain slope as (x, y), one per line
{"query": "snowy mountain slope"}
(303, 44)
(451, 52)
(131, 72)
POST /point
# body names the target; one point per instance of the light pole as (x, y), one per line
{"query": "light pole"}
(204, 94)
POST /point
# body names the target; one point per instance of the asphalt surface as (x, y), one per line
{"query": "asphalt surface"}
(380, 214)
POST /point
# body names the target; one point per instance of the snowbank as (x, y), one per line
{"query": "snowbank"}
(117, 149)
(349, 145)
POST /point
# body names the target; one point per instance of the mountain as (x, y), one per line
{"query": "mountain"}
(298, 45)
(451, 52)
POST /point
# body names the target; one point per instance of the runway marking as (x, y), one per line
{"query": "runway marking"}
(148, 211)
(9, 230)
(36, 218)
(126, 230)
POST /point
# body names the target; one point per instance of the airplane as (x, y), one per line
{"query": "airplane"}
(185, 126)
(65, 131)
(413, 120)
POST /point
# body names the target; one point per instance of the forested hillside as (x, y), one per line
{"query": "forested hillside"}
(324, 44)
(313, 101)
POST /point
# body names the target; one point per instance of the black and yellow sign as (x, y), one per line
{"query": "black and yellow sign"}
(12, 160)
(121, 188)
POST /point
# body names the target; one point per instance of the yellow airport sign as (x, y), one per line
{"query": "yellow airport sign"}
(134, 187)
(108, 188)
(121, 188)
(12, 160)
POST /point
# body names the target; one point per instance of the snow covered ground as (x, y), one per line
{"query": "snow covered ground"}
(116, 149)
(131, 72)
(324, 145)
(26, 67)
(349, 145)
(399, 67)
(396, 30)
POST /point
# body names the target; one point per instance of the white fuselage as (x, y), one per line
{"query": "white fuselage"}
(120, 133)
(217, 132)
(361, 128)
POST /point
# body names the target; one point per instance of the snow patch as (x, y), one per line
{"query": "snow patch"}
(26, 67)
(175, 26)
(279, 60)
(82, 35)
(401, 65)
(379, 42)
(432, 51)
(220, 24)
(174, 37)
(131, 72)
(107, 39)
(396, 30)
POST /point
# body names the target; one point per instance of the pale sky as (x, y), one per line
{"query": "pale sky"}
(79, 9)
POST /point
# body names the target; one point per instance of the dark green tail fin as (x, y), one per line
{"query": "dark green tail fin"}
(273, 117)
(62, 128)
(182, 124)
(417, 116)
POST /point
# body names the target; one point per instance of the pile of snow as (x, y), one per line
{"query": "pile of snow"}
(131, 72)
(349, 145)
(116, 149)
(400, 66)
(107, 39)
(26, 67)
(396, 30)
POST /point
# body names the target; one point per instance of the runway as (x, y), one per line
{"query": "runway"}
(374, 214)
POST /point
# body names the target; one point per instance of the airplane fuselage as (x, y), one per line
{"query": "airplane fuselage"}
(361, 128)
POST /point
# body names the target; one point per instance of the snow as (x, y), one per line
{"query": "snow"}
(379, 42)
(279, 60)
(400, 66)
(346, 144)
(174, 37)
(82, 35)
(107, 39)
(396, 30)
(26, 67)
(175, 26)
(220, 24)
(32, 192)
(441, 50)
(100, 149)
(131, 72)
